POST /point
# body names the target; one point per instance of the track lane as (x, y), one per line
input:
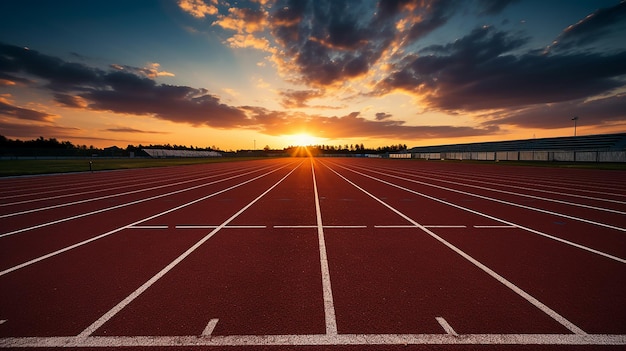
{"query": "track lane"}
(35, 241)
(72, 295)
(582, 286)
(608, 238)
(238, 251)
(390, 280)
(480, 242)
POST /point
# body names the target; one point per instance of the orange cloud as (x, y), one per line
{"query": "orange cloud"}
(198, 8)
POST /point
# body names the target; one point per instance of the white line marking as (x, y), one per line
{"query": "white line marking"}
(314, 340)
(148, 227)
(294, 226)
(445, 226)
(324, 226)
(547, 310)
(495, 227)
(329, 305)
(345, 226)
(567, 242)
(528, 195)
(425, 226)
(112, 312)
(2, 321)
(84, 242)
(226, 227)
(122, 205)
(502, 201)
(65, 204)
(208, 330)
(444, 324)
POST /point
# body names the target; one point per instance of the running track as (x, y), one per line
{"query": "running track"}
(302, 253)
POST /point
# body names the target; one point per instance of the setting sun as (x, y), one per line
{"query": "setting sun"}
(303, 139)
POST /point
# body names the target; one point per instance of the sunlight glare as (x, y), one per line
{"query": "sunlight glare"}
(302, 139)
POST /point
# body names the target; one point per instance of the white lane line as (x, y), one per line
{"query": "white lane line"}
(329, 305)
(208, 330)
(425, 226)
(215, 226)
(570, 203)
(495, 227)
(622, 229)
(78, 202)
(122, 205)
(444, 324)
(567, 242)
(113, 311)
(324, 226)
(345, 226)
(294, 226)
(148, 227)
(312, 340)
(445, 226)
(2, 321)
(547, 310)
(84, 242)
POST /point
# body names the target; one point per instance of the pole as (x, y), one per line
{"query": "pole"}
(575, 119)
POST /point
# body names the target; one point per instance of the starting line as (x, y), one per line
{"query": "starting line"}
(315, 340)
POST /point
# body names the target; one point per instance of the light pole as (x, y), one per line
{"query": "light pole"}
(575, 119)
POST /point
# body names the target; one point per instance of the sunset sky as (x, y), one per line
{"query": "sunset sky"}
(235, 74)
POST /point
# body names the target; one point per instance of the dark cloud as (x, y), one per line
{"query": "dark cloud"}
(10, 110)
(553, 116)
(60, 74)
(355, 126)
(492, 7)
(299, 98)
(593, 28)
(479, 72)
(79, 86)
(382, 116)
(132, 130)
(331, 41)
(18, 130)
(130, 94)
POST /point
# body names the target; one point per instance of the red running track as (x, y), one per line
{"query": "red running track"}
(315, 254)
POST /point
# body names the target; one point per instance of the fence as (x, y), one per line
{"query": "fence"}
(564, 156)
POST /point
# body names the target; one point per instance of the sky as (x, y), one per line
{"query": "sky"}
(236, 74)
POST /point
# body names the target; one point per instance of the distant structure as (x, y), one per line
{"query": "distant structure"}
(587, 148)
(165, 153)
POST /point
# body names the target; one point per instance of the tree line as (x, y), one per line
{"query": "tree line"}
(53, 147)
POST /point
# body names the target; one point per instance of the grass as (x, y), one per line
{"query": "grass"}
(47, 166)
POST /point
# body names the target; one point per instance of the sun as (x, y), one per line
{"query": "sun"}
(302, 139)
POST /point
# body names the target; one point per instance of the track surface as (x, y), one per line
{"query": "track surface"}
(318, 253)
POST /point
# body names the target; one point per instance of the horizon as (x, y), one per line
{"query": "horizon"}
(286, 73)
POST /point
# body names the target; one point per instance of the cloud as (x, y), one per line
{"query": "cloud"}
(595, 27)
(354, 126)
(198, 8)
(380, 116)
(243, 20)
(61, 75)
(132, 130)
(596, 112)
(10, 110)
(151, 70)
(20, 130)
(479, 72)
(492, 7)
(299, 98)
